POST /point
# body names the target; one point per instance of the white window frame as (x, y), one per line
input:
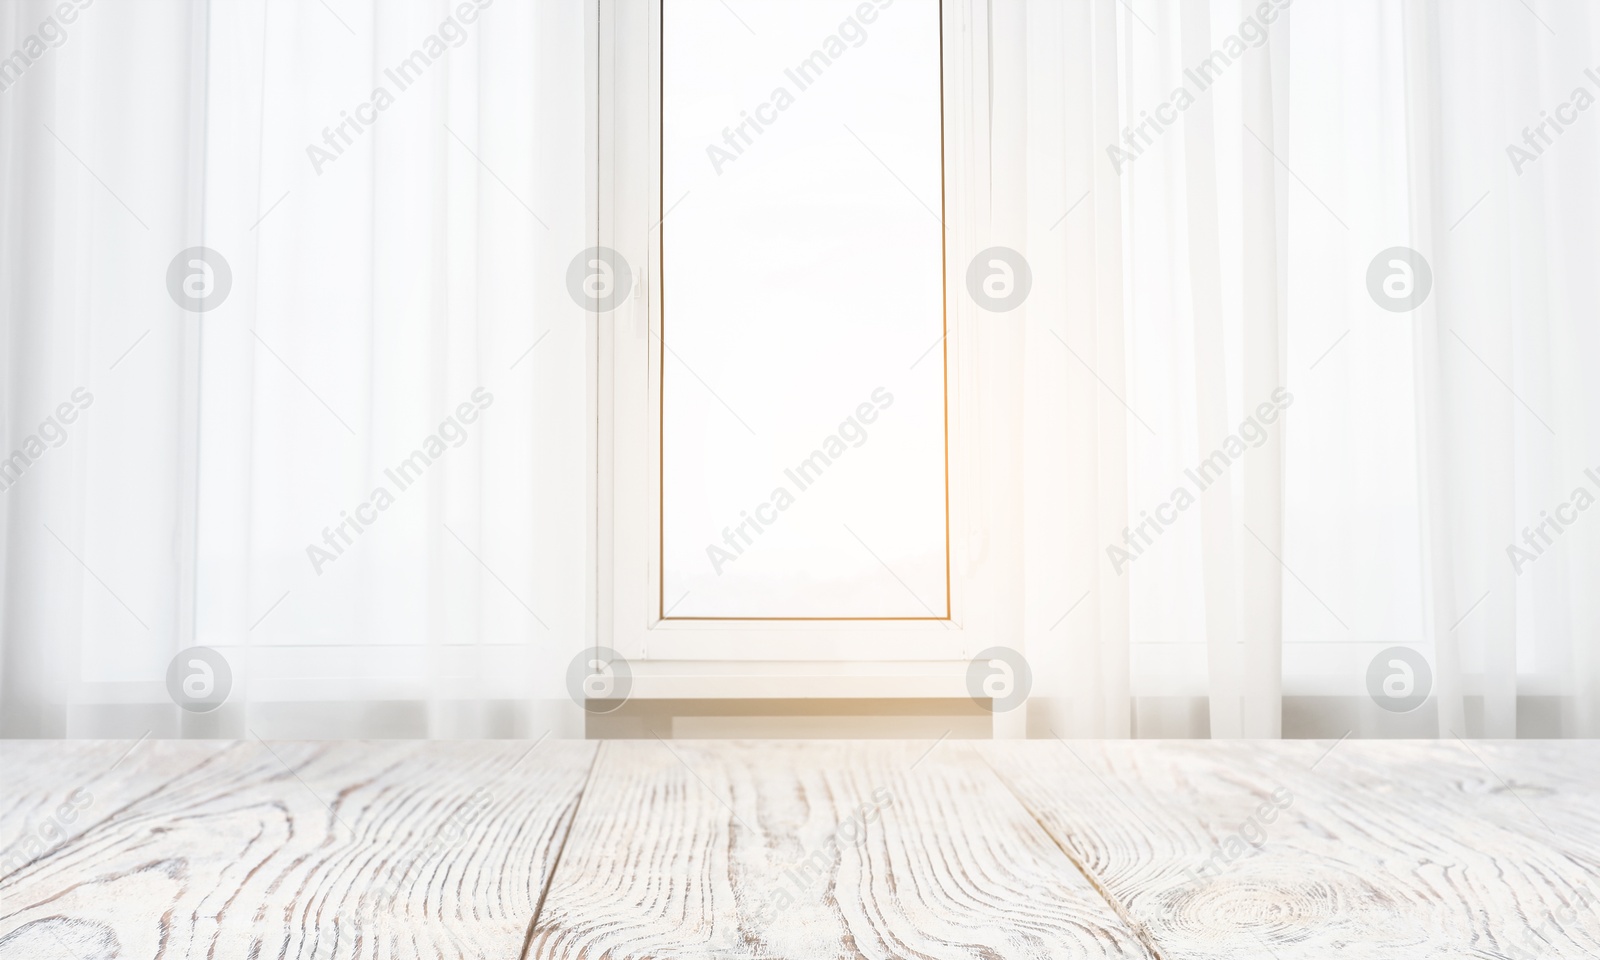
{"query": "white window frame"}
(789, 658)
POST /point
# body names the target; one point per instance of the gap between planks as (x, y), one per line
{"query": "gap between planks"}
(550, 878)
(1089, 877)
(967, 794)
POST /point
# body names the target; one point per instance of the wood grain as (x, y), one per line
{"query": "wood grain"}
(813, 850)
(311, 850)
(1287, 850)
(1174, 850)
(54, 790)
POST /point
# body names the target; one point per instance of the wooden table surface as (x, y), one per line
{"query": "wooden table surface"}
(1163, 850)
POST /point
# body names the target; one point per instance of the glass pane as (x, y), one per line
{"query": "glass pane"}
(803, 379)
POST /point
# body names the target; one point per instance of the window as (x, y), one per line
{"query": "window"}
(787, 460)
(802, 375)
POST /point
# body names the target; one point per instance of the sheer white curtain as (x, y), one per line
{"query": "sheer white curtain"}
(1220, 252)
(1245, 476)
(1505, 358)
(397, 190)
(98, 151)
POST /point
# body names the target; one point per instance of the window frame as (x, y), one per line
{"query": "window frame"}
(723, 657)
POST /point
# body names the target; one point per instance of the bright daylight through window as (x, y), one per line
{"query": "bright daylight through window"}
(803, 383)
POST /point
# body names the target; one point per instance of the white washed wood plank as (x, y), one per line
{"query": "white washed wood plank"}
(701, 849)
(1377, 849)
(52, 790)
(312, 850)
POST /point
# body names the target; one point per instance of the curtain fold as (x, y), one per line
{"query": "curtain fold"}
(410, 365)
(1076, 427)
(1251, 167)
(1510, 417)
(98, 140)
(358, 475)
